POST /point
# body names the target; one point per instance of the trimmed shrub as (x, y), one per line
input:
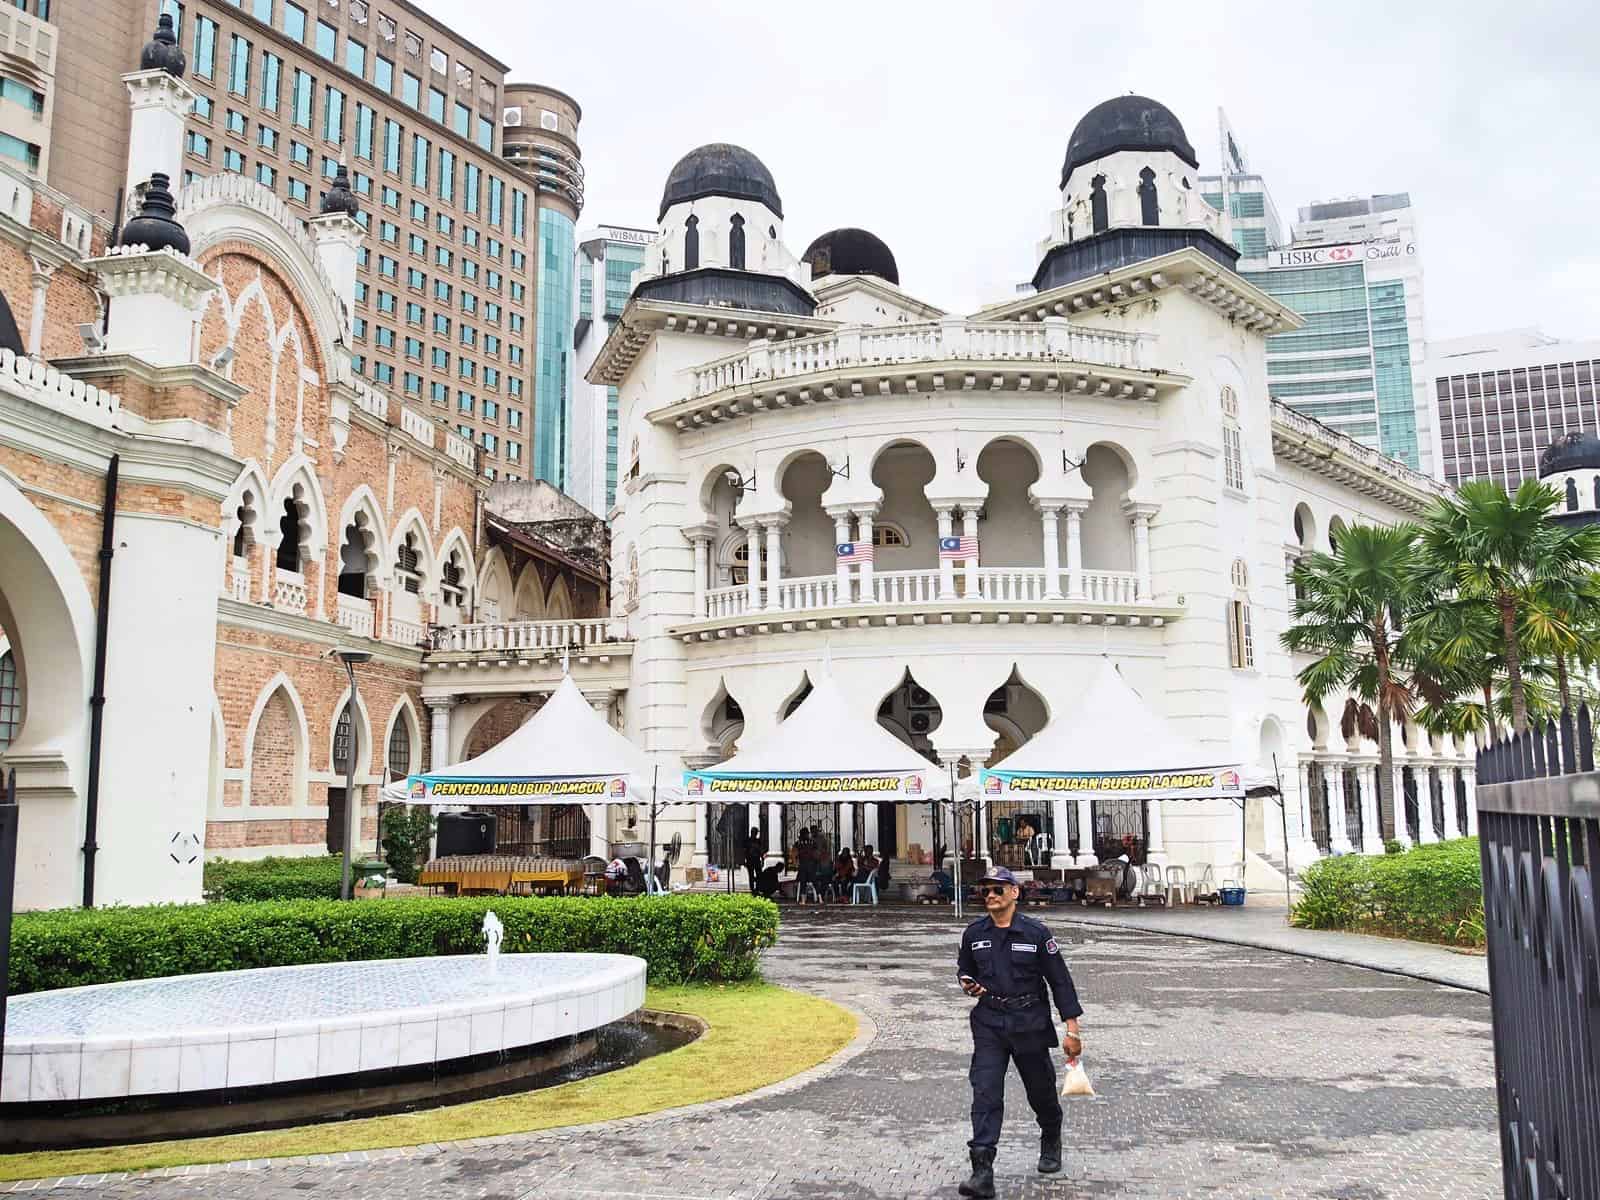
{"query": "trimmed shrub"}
(682, 938)
(1431, 893)
(274, 879)
(407, 829)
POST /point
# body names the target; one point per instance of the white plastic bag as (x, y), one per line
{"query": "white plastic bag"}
(1076, 1081)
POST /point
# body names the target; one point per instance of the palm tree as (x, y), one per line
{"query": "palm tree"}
(1561, 622)
(1348, 610)
(1500, 550)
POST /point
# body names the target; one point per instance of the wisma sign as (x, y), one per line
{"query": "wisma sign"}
(1344, 253)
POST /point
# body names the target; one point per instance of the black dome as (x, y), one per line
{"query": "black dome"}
(720, 169)
(1126, 123)
(161, 52)
(851, 252)
(1571, 452)
(339, 197)
(156, 227)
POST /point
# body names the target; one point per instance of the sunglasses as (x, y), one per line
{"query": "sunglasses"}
(993, 889)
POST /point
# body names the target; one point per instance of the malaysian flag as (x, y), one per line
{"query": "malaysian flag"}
(858, 552)
(958, 548)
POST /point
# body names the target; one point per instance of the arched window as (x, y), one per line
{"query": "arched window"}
(244, 538)
(1149, 203)
(406, 564)
(736, 243)
(1572, 495)
(342, 741)
(10, 700)
(451, 588)
(1097, 204)
(399, 756)
(1232, 442)
(353, 559)
(289, 527)
(1241, 642)
(889, 535)
(691, 244)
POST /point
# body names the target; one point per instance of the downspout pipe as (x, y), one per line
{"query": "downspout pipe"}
(97, 699)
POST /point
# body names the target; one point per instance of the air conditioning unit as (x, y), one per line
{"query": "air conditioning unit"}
(549, 120)
(511, 117)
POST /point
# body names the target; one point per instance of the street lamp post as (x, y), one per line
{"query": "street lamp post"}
(350, 658)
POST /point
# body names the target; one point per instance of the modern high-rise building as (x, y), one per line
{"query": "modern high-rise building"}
(28, 43)
(607, 257)
(1504, 397)
(457, 173)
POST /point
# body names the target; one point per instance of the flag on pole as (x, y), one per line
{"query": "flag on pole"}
(958, 548)
(858, 552)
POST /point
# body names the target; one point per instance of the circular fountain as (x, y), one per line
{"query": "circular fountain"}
(288, 1042)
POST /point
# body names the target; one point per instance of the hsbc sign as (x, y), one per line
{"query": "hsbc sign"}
(1333, 256)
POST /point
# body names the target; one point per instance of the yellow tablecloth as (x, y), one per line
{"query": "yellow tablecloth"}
(499, 872)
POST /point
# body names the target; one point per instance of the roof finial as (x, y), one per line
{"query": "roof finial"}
(161, 52)
(156, 225)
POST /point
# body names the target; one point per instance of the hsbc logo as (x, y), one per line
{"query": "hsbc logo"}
(1340, 254)
(1327, 256)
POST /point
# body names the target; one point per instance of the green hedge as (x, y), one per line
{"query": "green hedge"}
(274, 879)
(683, 938)
(1432, 893)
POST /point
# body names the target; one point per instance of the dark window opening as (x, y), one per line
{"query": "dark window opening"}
(1149, 203)
(736, 243)
(1097, 204)
(400, 749)
(406, 562)
(353, 563)
(1572, 495)
(10, 700)
(691, 244)
(289, 547)
(341, 742)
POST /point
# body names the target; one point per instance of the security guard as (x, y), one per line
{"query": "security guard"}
(1006, 961)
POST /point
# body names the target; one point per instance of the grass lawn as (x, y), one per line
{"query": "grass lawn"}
(759, 1034)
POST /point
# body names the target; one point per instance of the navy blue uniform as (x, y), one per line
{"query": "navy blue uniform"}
(1012, 1021)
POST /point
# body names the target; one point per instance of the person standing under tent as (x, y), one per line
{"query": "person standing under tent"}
(1013, 966)
(755, 847)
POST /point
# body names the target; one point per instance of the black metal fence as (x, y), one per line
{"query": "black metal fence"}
(1539, 832)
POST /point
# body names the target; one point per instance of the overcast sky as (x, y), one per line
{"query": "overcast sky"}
(941, 126)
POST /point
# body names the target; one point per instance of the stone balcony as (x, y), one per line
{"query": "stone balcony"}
(953, 354)
(995, 595)
(514, 657)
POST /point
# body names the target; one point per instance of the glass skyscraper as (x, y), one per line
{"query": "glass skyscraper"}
(552, 410)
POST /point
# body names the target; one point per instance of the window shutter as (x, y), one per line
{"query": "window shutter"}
(1229, 618)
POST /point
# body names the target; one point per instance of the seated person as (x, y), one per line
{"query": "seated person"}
(883, 873)
(869, 864)
(945, 882)
(844, 873)
(616, 875)
(767, 881)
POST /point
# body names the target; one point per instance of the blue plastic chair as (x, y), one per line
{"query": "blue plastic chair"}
(870, 887)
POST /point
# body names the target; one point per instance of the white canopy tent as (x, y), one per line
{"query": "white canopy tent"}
(566, 753)
(1112, 745)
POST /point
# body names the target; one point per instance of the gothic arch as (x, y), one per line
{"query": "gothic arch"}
(528, 603)
(404, 715)
(361, 729)
(559, 605)
(301, 740)
(297, 480)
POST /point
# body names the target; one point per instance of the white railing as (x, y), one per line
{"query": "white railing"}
(995, 585)
(407, 633)
(47, 386)
(953, 339)
(417, 425)
(1310, 427)
(370, 400)
(239, 579)
(460, 449)
(522, 635)
(355, 614)
(289, 591)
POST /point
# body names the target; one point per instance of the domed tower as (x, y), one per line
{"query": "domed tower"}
(1128, 193)
(850, 252)
(721, 237)
(1571, 465)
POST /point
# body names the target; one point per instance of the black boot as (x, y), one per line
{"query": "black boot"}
(981, 1182)
(1049, 1153)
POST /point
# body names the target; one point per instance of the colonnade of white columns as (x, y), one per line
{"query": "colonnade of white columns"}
(1369, 839)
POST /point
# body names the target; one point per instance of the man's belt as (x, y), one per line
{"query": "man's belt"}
(1010, 1003)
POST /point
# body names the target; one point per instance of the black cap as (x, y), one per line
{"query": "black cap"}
(339, 197)
(156, 226)
(999, 875)
(161, 52)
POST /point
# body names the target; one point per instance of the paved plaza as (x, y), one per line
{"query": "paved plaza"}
(1223, 1072)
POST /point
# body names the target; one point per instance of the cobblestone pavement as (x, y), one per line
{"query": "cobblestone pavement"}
(1222, 1072)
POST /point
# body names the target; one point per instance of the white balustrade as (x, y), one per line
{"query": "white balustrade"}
(417, 425)
(727, 602)
(488, 637)
(1011, 583)
(407, 633)
(239, 579)
(928, 341)
(289, 591)
(1111, 587)
(906, 587)
(355, 614)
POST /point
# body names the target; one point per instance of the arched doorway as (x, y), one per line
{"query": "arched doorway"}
(1020, 834)
(907, 831)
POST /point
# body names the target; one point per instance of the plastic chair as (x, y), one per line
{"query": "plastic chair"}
(800, 890)
(1204, 884)
(652, 884)
(870, 887)
(1152, 890)
(1177, 886)
(1037, 852)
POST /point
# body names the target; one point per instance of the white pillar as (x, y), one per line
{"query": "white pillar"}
(753, 580)
(702, 569)
(1338, 835)
(1401, 833)
(1141, 514)
(846, 825)
(1052, 551)
(1371, 826)
(775, 833)
(980, 828)
(1447, 785)
(1060, 844)
(1086, 855)
(40, 278)
(864, 536)
(841, 569)
(969, 568)
(1156, 848)
(1469, 775)
(774, 561)
(869, 825)
(1075, 550)
(1306, 800)
(439, 730)
(159, 103)
(947, 566)
(1425, 828)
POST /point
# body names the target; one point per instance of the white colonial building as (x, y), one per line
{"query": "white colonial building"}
(1109, 442)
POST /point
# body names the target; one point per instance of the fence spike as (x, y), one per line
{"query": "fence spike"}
(1524, 764)
(1569, 745)
(1536, 751)
(1585, 738)
(1552, 749)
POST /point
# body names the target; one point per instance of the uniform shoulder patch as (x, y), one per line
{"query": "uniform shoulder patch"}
(1050, 947)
